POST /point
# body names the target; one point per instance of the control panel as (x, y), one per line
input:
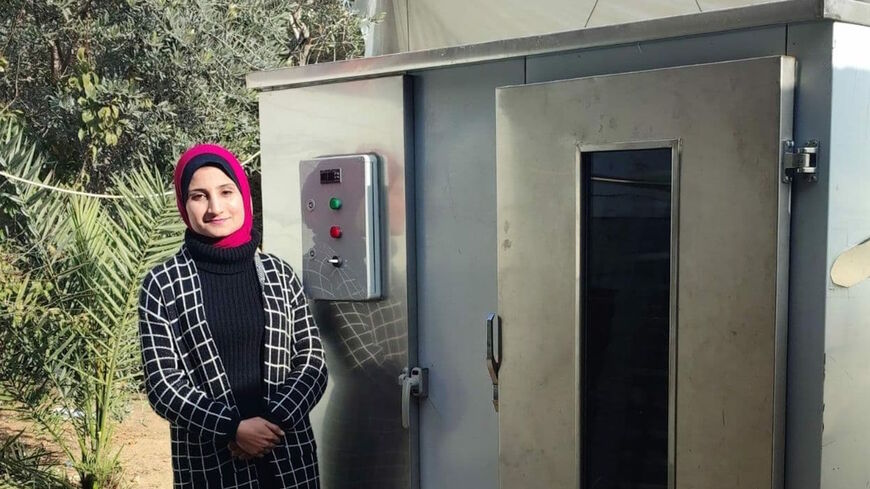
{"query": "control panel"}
(341, 227)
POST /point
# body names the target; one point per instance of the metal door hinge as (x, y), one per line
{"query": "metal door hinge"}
(414, 383)
(799, 160)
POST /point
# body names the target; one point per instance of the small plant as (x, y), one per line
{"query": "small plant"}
(68, 305)
(24, 466)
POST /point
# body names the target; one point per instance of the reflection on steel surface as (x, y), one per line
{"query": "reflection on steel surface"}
(366, 345)
(358, 423)
(367, 349)
(370, 334)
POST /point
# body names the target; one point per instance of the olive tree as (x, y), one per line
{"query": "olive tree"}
(105, 85)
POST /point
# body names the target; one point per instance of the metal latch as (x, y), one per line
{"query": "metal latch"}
(799, 160)
(493, 353)
(415, 383)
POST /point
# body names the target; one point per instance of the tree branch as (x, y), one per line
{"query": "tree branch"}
(302, 34)
(56, 64)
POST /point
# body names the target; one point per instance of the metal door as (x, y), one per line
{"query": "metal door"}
(652, 204)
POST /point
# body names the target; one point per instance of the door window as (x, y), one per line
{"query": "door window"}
(625, 320)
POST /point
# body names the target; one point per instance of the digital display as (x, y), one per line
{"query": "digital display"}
(330, 176)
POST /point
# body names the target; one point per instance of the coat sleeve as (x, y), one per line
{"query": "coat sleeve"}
(170, 392)
(304, 386)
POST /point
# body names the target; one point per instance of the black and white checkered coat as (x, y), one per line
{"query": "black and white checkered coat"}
(187, 385)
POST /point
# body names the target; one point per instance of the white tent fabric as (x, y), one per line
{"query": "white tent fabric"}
(412, 25)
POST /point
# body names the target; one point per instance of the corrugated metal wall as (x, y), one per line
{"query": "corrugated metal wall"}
(413, 25)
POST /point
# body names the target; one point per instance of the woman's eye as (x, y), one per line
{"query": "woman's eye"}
(228, 192)
(196, 197)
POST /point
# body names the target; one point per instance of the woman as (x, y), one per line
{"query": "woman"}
(232, 357)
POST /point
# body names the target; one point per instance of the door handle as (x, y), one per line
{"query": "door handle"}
(493, 353)
(415, 383)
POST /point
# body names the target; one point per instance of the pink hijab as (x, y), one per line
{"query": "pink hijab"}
(221, 154)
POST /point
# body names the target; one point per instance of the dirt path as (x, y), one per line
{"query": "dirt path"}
(143, 437)
(146, 453)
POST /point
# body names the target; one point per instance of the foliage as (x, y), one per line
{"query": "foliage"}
(23, 466)
(110, 84)
(111, 91)
(68, 304)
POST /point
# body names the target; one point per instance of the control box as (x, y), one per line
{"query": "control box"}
(341, 227)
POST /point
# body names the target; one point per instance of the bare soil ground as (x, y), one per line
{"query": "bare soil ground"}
(143, 438)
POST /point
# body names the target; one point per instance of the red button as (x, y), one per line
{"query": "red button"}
(335, 232)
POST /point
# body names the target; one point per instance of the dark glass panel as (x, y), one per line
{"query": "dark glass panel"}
(626, 317)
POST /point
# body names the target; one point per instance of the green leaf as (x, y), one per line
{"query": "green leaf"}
(81, 134)
(90, 90)
(87, 116)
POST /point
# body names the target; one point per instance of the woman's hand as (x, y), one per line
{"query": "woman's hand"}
(237, 452)
(254, 438)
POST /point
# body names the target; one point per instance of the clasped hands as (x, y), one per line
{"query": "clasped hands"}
(255, 438)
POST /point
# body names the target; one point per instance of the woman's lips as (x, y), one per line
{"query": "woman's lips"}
(217, 221)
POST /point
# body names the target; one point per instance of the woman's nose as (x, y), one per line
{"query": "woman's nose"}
(214, 206)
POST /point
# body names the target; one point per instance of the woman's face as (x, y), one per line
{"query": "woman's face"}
(214, 204)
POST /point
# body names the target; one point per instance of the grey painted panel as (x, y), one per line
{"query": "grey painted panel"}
(846, 437)
(750, 43)
(730, 119)
(361, 441)
(456, 263)
(811, 45)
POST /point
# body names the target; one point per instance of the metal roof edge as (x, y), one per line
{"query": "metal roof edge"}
(776, 13)
(852, 11)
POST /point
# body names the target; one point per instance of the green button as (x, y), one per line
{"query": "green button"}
(335, 203)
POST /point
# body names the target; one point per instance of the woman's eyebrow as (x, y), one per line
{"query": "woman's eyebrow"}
(220, 187)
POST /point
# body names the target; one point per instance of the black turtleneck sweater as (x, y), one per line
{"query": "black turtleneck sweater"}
(234, 310)
(233, 301)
